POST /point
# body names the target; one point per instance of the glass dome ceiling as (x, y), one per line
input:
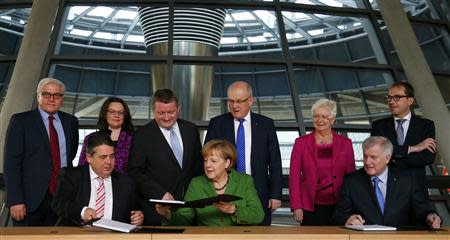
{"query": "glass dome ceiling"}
(246, 29)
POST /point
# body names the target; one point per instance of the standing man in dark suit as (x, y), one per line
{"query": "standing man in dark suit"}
(413, 137)
(256, 143)
(378, 194)
(96, 191)
(38, 143)
(165, 156)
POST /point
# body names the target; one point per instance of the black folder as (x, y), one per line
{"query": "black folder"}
(200, 203)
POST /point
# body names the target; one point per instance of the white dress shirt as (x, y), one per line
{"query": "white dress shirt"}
(108, 194)
(248, 140)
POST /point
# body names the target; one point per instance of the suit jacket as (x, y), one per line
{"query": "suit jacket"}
(265, 153)
(249, 211)
(303, 173)
(419, 130)
(74, 191)
(28, 160)
(155, 168)
(405, 205)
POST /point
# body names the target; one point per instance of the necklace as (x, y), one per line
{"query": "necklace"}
(224, 186)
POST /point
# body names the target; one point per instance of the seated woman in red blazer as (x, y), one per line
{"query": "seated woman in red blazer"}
(319, 162)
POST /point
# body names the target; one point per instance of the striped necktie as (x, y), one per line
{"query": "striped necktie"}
(100, 198)
(54, 151)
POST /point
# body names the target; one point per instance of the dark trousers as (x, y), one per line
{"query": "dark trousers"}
(42, 216)
(320, 217)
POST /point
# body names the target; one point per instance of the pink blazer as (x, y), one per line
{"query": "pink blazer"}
(303, 169)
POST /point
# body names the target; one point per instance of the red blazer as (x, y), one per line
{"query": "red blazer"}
(303, 170)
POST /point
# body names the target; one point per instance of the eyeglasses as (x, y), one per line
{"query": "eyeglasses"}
(238, 102)
(55, 96)
(396, 98)
(321, 117)
(114, 112)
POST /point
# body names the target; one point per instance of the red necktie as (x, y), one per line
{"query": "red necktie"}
(100, 198)
(54, 150)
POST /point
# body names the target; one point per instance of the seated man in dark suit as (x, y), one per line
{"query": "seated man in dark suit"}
(96, 191)
(378, 194)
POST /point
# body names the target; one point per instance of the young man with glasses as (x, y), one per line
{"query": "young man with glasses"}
(256, 142)
(413, 137)
(38, 144)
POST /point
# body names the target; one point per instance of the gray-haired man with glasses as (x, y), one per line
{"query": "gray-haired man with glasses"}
(413, 137)
(38, 144)
(256, 143)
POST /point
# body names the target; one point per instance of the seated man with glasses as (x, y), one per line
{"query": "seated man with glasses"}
(256, 142)
(413, 137)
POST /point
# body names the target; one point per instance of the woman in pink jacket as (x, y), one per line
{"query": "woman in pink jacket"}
(319, 162)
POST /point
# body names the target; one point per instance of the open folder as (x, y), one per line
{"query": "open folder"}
(200, 203)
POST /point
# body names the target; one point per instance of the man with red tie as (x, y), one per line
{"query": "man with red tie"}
(96, 191)
(38, 143)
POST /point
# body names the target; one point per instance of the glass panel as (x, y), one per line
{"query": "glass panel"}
(6, 70)
(331, 3)
(344, 86)
(88, 85)
(376, 102)
(286, 140)
(445, 7)
(270, 89)
(331, 38)
(417, 8)
(253, 33)
(102, 30)
(443, 83)
(435, 44)
(357, 139)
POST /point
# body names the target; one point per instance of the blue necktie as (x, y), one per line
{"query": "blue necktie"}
(400, 133)
(240, 147)
(176, 147)
(378, 193)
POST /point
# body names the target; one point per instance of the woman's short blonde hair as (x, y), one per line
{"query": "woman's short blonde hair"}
(323, 102)
(221, 148)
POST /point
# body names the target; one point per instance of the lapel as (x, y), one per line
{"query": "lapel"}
(411, 130)
(41, 128)
(185, 142)
(373, 197)
(229, 129)
(115, 194)
(390, 130)
(165, 144)
(391, 191)
(254, 132)
(86, 186)
(66, 128)
(336, 150)
(313, 149)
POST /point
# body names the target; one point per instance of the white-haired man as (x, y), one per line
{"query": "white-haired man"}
(38, 144)
(378, 194)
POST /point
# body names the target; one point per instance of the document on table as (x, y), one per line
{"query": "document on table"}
(114, 225)
(371, 227)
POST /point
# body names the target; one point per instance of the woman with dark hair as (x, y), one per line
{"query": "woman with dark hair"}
(115, 119)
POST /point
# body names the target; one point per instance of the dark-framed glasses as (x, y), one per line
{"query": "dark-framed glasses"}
(396, 98)
(55, 96)
(114, 112)
(239, 101)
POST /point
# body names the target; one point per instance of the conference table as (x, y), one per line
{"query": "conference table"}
(217, 233)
